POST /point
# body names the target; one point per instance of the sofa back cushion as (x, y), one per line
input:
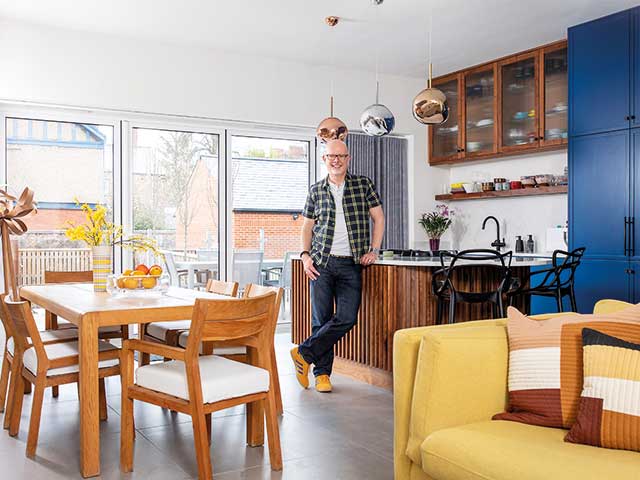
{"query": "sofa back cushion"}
(609, 412)
(545, 363)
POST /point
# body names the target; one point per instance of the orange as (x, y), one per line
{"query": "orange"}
(126, 273)
(137, 273)
(148, 282)
(142, 268)
(155, 270)
(131, 283)
(120, 282)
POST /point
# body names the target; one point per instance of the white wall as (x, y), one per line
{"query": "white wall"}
(517, 216)
(42, 64)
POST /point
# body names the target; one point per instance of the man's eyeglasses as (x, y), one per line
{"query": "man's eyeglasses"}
(333, 156)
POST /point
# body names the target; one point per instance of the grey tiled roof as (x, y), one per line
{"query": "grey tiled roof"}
(269, 184)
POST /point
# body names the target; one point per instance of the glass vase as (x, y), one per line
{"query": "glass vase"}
(434, 244)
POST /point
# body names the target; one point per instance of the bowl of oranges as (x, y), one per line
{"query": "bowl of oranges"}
(140, 280)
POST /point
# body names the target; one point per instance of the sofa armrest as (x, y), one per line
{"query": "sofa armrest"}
(406, 349)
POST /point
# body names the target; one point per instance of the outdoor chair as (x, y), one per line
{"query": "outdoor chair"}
(247, 266)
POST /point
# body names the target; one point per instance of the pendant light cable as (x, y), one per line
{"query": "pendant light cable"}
(376, 22)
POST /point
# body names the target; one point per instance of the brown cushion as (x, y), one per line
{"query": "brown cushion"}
(545, 363)
(609, 412)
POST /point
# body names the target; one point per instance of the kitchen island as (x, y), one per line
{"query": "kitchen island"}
(396, 294)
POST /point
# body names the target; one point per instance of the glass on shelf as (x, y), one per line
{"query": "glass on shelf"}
(479, 89)
(555, 95)
(445, 136)
(519, 123)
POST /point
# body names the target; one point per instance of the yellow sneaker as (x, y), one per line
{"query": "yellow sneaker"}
(301, 366)
(323, 384)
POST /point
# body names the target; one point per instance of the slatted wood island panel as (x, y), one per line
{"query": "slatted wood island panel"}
(393, 297)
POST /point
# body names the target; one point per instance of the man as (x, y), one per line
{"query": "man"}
(335, 246)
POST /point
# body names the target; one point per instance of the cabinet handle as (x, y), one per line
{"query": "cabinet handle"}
(632, 236)
(627, 118)
(626, 224)
(462, 149)
(633, 117)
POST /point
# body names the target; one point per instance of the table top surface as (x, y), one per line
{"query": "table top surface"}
(78, 299)
(435, 262)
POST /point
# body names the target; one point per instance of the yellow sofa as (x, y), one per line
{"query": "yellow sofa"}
(449, 381)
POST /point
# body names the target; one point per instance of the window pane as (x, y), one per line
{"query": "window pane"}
(270, 184)
(175, 200)
(60, 162)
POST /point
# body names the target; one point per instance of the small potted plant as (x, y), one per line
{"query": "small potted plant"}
(101, 235)
(436, 223)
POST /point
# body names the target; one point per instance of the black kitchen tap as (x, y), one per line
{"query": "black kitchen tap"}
(498, 244)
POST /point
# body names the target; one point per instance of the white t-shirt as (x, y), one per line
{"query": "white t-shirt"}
(340, 245)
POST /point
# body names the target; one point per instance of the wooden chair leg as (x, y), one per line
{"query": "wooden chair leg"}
(27, 387)
(275, 384)
(255, 423)
(273, 432)
(102, 396)
(13, 388)
(207, 348)
(208, 420)
(205, 470)
(55, 391)
(127, 426)
(4, 382)
(18, 397)
(145, 359)
(34, 421)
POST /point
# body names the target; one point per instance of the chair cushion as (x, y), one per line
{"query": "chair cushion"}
(609, 413)
(545, 363)
(182, 341)
(221, 378)
(500, 450)
(65, 349)
(159, 329)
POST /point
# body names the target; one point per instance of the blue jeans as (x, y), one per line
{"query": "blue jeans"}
(340, 281)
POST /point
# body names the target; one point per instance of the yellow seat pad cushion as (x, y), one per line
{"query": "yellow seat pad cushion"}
(502, 450)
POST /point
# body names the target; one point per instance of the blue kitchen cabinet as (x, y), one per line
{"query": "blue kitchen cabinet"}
(599, 279)
(599, 193)
(635, 66)
(600, 74)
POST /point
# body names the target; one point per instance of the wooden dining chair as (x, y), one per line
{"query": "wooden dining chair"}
(46, 365)
(168, 333)
(200, 385)
(47, 337)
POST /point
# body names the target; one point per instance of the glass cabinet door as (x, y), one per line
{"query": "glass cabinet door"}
(554, 90)
(445, 138)
(519, 103)
(480, 124)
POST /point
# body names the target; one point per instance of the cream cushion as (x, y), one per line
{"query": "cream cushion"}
(159, 329)
(58, 350)
(221, 378)
(182, 341)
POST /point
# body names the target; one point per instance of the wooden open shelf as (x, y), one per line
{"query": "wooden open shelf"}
(521, 192)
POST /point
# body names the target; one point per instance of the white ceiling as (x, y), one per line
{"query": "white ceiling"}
(466, 32)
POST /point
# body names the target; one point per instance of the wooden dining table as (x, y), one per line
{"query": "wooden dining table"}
(90, 310)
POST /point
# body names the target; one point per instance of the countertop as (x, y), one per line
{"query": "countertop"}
(435, 262)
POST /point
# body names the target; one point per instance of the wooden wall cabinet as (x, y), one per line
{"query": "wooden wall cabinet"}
(517, 104)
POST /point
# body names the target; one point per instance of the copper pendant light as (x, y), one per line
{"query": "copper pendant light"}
(430, 106)
(377, 120)
(332, 128)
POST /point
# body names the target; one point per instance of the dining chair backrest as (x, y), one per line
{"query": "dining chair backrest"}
(170, 263)
(222, 288)
(7, 324)
(466, 259)
(566, 264)
(25, 329)
(246, 321)
(85, 276)
(247, 266)
(252, 290)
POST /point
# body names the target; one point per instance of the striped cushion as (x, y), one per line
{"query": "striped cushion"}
(545, 363)
(609, 412)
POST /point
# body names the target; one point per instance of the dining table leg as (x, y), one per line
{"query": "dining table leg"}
(191, 273)
(89, 403)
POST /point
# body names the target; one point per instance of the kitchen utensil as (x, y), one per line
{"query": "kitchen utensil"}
(515, 184)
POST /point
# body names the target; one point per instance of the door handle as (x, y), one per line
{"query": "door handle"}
(626, 225)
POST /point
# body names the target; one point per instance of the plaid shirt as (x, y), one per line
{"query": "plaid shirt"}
(359, 196)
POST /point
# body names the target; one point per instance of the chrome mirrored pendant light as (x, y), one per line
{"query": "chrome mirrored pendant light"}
(332, 128)
(430, 106)
(377, 120)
